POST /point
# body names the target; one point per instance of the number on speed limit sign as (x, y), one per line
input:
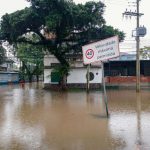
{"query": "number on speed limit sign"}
(89, 53)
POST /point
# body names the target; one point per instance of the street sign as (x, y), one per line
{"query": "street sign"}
(101, 50)
(89, 54)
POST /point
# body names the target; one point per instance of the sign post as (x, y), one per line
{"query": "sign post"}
(88, 78)
(104, 90)
(100, 51)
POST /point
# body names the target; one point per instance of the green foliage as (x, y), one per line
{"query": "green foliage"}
(69, 22)
(61, 26)
(62, 70)
(2, 54)
(31, 58)
(145, 53)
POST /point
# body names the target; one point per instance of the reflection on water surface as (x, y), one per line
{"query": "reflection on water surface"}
(32, 118)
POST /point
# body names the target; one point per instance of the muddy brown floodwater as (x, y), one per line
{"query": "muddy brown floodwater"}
(34, 119)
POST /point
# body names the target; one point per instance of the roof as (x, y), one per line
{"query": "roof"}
(124, 57)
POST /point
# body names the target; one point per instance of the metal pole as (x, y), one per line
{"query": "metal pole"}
(88, 78)
(137, 53)
(104, 90)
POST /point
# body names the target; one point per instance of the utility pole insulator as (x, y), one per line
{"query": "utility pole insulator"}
(130, 13)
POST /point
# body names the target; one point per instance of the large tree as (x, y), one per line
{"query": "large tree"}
(61, 25)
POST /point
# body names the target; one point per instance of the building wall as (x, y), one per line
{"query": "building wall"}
(78, 75)
(8, 66)
(47, 78)
(129, 79)
(49, 59)
(9, 77)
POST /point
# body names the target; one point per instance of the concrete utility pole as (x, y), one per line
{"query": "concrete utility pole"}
(137, 14)
(137, 52)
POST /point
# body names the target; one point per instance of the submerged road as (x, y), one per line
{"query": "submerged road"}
(34, 119)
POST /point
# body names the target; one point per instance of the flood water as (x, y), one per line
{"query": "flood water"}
(35, 119)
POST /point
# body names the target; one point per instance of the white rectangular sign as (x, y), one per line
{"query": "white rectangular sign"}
(101, 50)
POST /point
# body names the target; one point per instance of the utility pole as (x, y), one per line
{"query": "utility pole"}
(137, 52)
(140, 32)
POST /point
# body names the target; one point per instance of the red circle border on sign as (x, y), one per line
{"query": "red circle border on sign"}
(87, 55)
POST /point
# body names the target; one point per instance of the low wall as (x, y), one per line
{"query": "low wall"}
(126, 82)
(79, 86)
(123, 79)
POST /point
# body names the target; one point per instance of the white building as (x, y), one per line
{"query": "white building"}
(77, 74)
(7, 65)
(7, 73)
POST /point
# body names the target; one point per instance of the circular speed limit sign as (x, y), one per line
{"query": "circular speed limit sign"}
(89, 53)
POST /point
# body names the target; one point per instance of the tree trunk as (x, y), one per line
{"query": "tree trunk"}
(37, 78)
(30, 77)
(23, 68)
(63, 62)
(64, 82)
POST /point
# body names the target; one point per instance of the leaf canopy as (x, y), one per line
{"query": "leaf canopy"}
(61, 26)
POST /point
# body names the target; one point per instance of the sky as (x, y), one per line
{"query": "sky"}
(113, 17)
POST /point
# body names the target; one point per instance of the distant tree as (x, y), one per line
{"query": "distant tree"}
(145, 53)
(32, 60)
(61, 25)
(2, 54)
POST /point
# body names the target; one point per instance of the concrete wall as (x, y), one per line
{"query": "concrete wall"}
(49, 59)
(47, 78)
(78, 75)
(124, 79)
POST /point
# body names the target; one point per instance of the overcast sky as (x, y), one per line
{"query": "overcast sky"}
(113, 16)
